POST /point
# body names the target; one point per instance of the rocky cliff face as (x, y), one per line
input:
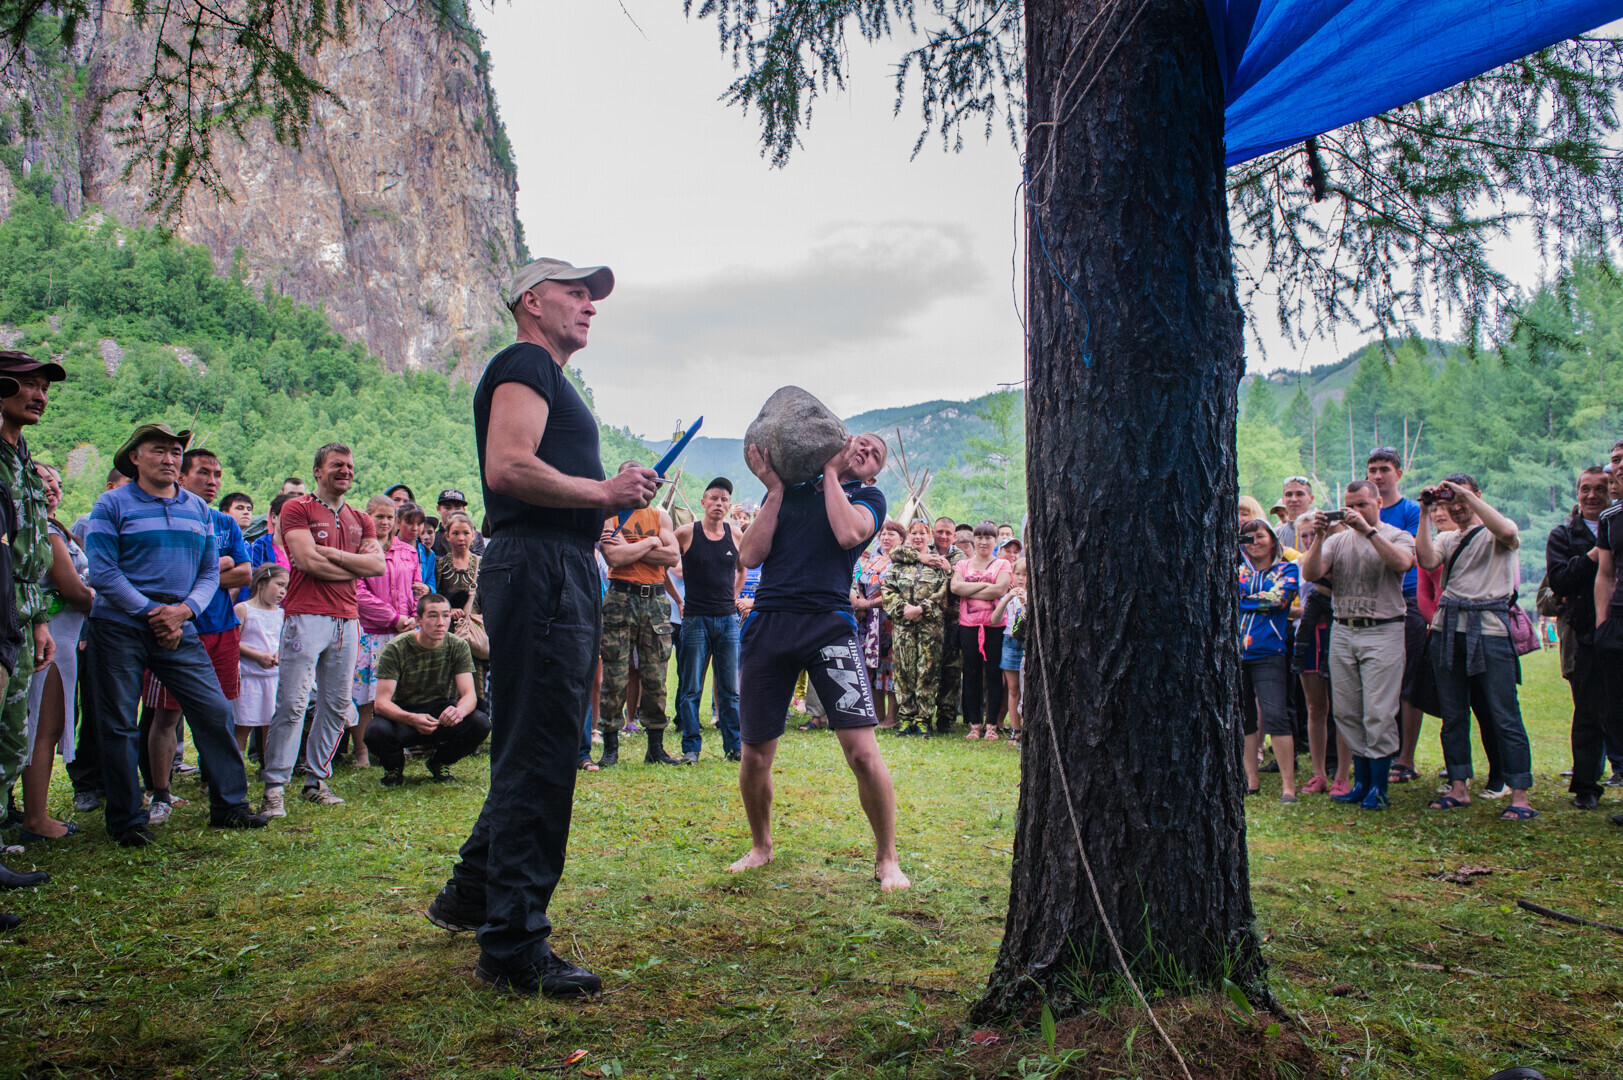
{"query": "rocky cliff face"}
(396, 216)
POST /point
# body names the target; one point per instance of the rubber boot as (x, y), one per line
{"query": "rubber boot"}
(656, 754)
(1360, 786)
(1380, 772)
(611, 750)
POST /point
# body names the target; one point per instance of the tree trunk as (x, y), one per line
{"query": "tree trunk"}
(1131, 474)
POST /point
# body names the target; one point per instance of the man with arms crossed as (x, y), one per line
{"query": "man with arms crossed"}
(806, 539)
(330, 545)
(709, 621)
(1368, 558)
(637, 618)
(1384, 469)
(545, 501)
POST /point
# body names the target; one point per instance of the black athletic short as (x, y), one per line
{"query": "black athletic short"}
(774, 647)
(1414, 644)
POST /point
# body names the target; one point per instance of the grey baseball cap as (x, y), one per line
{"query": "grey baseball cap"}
(599, 279)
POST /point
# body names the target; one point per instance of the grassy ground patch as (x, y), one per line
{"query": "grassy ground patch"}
(301, 950)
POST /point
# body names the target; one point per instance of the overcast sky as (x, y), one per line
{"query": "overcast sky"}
(867, 278)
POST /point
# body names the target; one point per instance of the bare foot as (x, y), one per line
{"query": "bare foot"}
(890, 877)
(50, 828)
(753, 858)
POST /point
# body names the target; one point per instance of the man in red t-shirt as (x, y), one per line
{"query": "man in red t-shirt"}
(330, 545)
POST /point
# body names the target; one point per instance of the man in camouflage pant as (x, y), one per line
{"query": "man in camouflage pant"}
(914, 593)
(637, 617)
(950, 687)
(30, 549)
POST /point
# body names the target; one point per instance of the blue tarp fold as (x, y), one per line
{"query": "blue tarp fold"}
(1297, 68)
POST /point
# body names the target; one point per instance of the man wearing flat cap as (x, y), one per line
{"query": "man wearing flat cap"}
(155, 566)
(545, 500)
(30, 545)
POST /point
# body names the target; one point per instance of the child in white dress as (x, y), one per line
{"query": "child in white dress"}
(261, 617)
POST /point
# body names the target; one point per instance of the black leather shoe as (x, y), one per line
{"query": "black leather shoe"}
(11, 879)
(137, 836)
(240, 817)
(554, 976)
(8, 921)
(438, 771)
(611, 750)
(1586, 801)
(448, 912)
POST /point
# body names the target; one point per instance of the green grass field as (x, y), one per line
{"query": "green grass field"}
(300, 950)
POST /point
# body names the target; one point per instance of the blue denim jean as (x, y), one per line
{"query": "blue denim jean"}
(115, 655)
(1493, 693)
(712, 640)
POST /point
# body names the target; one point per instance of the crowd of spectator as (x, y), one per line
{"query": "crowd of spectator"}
(320, 628)
(1387, 609)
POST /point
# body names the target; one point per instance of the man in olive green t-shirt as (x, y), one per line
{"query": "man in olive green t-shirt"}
(425, 697)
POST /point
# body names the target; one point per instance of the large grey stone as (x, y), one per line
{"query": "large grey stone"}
(798, 432)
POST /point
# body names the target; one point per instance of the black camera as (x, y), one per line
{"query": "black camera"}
(1245, 538)
(1333, 516)
(1436, 495)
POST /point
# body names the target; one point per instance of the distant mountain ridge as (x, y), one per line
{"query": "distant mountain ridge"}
(932, 432)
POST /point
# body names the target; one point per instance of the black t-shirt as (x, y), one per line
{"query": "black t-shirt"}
(1609, 537)
(569, 443)
(807, 570)
(709, 569)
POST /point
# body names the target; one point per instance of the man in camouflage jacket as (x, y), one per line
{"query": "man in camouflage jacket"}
(915, 593)
(30, 546)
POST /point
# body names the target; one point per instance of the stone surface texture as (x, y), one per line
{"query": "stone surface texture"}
(799, 433)
(397, 215)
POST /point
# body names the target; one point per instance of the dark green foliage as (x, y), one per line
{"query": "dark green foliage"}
(278, 382)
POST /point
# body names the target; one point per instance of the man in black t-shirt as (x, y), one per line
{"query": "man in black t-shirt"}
(807, 539)
(709, 622)
(545, 501)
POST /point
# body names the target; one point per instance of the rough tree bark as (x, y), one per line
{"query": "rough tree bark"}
(1131, 467)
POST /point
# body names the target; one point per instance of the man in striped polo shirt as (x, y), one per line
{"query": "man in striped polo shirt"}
(155, 566)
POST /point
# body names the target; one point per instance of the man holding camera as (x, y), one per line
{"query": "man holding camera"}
(1472, 654)
(1368, 558)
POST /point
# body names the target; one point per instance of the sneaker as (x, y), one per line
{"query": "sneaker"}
(1340, 787)
(449, 913)
(1616, 779)
(158, 813)
(554, 976)
(137, 836)
(320, 794)
(1315, 786)
(1496, 793)
(184, 768)
(439, 772)
(86, 801)
(689, 758)
(1566, 774)
(393, 777)
(734, 755)
(239, 816)
(272, 805)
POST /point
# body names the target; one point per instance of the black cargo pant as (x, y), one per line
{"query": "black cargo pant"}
(1597, 707)
(543, 607)
(388, 739)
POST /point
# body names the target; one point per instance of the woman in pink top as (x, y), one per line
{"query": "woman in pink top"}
(387, 607)
(980, 581)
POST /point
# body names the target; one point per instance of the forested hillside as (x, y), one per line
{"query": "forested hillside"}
(1522, 419)
(148, 331)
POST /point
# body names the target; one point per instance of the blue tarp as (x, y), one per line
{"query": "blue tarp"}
(1297, 68)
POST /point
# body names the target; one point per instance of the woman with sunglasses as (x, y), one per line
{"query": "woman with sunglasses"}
(1268, 585)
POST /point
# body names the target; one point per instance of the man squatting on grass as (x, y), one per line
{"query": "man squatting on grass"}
(807, 541)
(545, 503)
